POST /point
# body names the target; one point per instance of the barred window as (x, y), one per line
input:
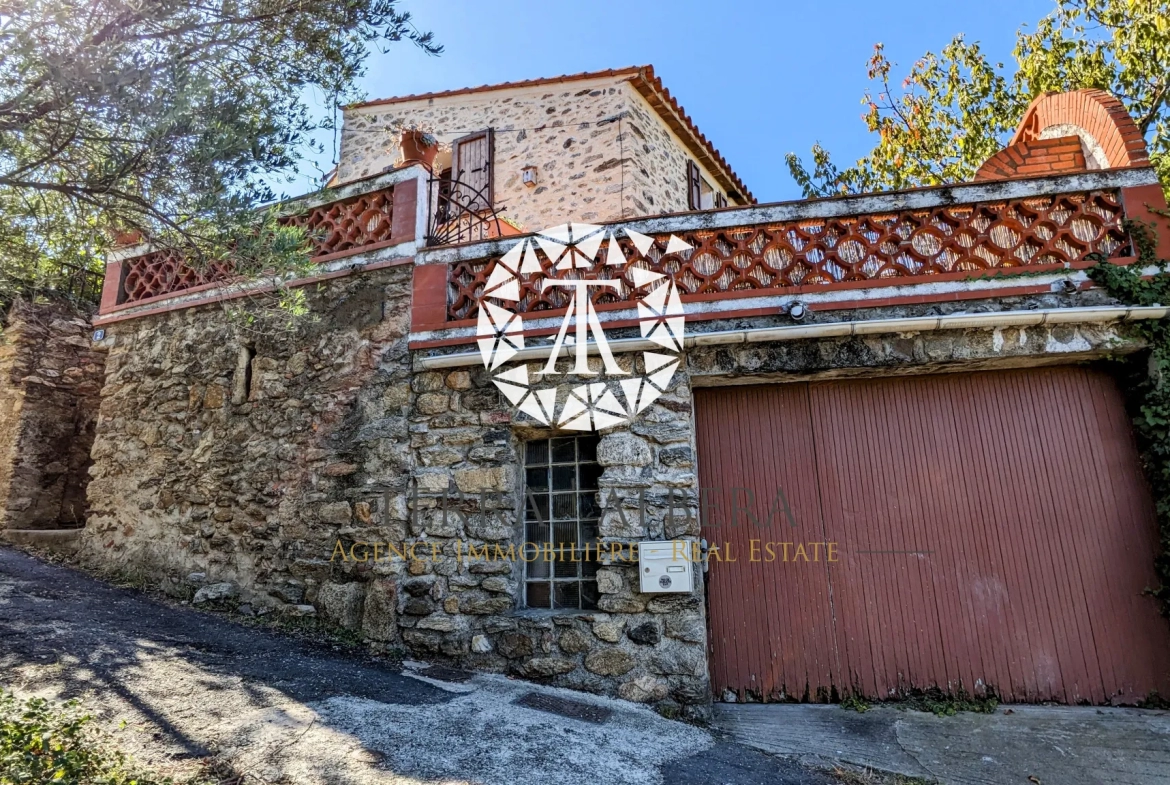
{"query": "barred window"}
(561, 509)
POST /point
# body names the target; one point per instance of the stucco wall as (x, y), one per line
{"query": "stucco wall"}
(591, 165)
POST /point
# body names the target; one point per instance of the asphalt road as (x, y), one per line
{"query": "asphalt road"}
(176, 686)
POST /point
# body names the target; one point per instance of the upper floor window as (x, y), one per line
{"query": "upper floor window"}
(561, 511)
(701, 195)
(471, 167)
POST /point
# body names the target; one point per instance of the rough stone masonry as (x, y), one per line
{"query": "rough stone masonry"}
(50, 385)
(231, 461)
(601, 153)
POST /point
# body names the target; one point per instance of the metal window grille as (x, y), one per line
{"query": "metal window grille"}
(561, 509)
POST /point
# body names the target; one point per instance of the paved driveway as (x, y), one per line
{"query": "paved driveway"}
(191, 685)
(1055, 745)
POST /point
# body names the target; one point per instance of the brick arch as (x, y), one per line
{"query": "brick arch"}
(1110, 136)
(1059, 155)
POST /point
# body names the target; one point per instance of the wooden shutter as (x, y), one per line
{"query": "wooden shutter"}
(694, 186)
(471, 166)
(720, 200)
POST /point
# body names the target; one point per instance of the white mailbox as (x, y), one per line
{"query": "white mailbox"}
(666, 566)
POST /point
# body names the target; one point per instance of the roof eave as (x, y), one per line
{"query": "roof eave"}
(628, 71)
(660, 99)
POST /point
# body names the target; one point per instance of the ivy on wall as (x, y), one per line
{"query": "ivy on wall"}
(1149, 387)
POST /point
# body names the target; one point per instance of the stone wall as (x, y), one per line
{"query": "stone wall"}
(591, 166)
(230, 465)
(322, 473)
(657, 173)
(50, 384)
(231, 450)
(937, 351)
(641, 647)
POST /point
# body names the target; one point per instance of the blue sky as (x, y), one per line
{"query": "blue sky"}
(760, 79)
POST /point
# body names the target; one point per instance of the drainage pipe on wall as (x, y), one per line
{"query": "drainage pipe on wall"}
(798, 332)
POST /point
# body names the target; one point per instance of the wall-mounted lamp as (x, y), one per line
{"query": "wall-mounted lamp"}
(528, 176)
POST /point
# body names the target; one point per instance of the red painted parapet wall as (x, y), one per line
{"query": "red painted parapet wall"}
(1036, 206)
(164, 272)
(1034, 233)
(350, 225)
(1010, 220)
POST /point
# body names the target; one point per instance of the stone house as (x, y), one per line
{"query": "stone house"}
(890, 431)
(597, 147)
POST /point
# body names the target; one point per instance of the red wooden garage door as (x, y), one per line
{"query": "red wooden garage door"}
(990, 529)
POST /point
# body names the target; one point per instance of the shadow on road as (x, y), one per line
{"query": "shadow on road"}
(267, 707)
(63, 627)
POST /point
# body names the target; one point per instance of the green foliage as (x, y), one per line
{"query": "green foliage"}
(167, 118)
(956, 109)
(855, 703)
(43, 743)
(933, 700)
(1149, 390)
(946, 704)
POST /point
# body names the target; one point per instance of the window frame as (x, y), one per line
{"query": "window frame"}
(584, 522)
(694, 188)
(706, 190)
(698, 186)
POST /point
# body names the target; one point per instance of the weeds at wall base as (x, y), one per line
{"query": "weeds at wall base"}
(855, 703)
(1154, 701)
(933, 701)
(866, 776)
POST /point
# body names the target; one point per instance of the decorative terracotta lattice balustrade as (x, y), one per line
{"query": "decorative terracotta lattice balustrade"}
(165, 272)
(334, 228)
(1035, 233)
(348, 224)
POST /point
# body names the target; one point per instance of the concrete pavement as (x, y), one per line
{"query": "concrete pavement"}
(192, 686)
(1055, 745)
